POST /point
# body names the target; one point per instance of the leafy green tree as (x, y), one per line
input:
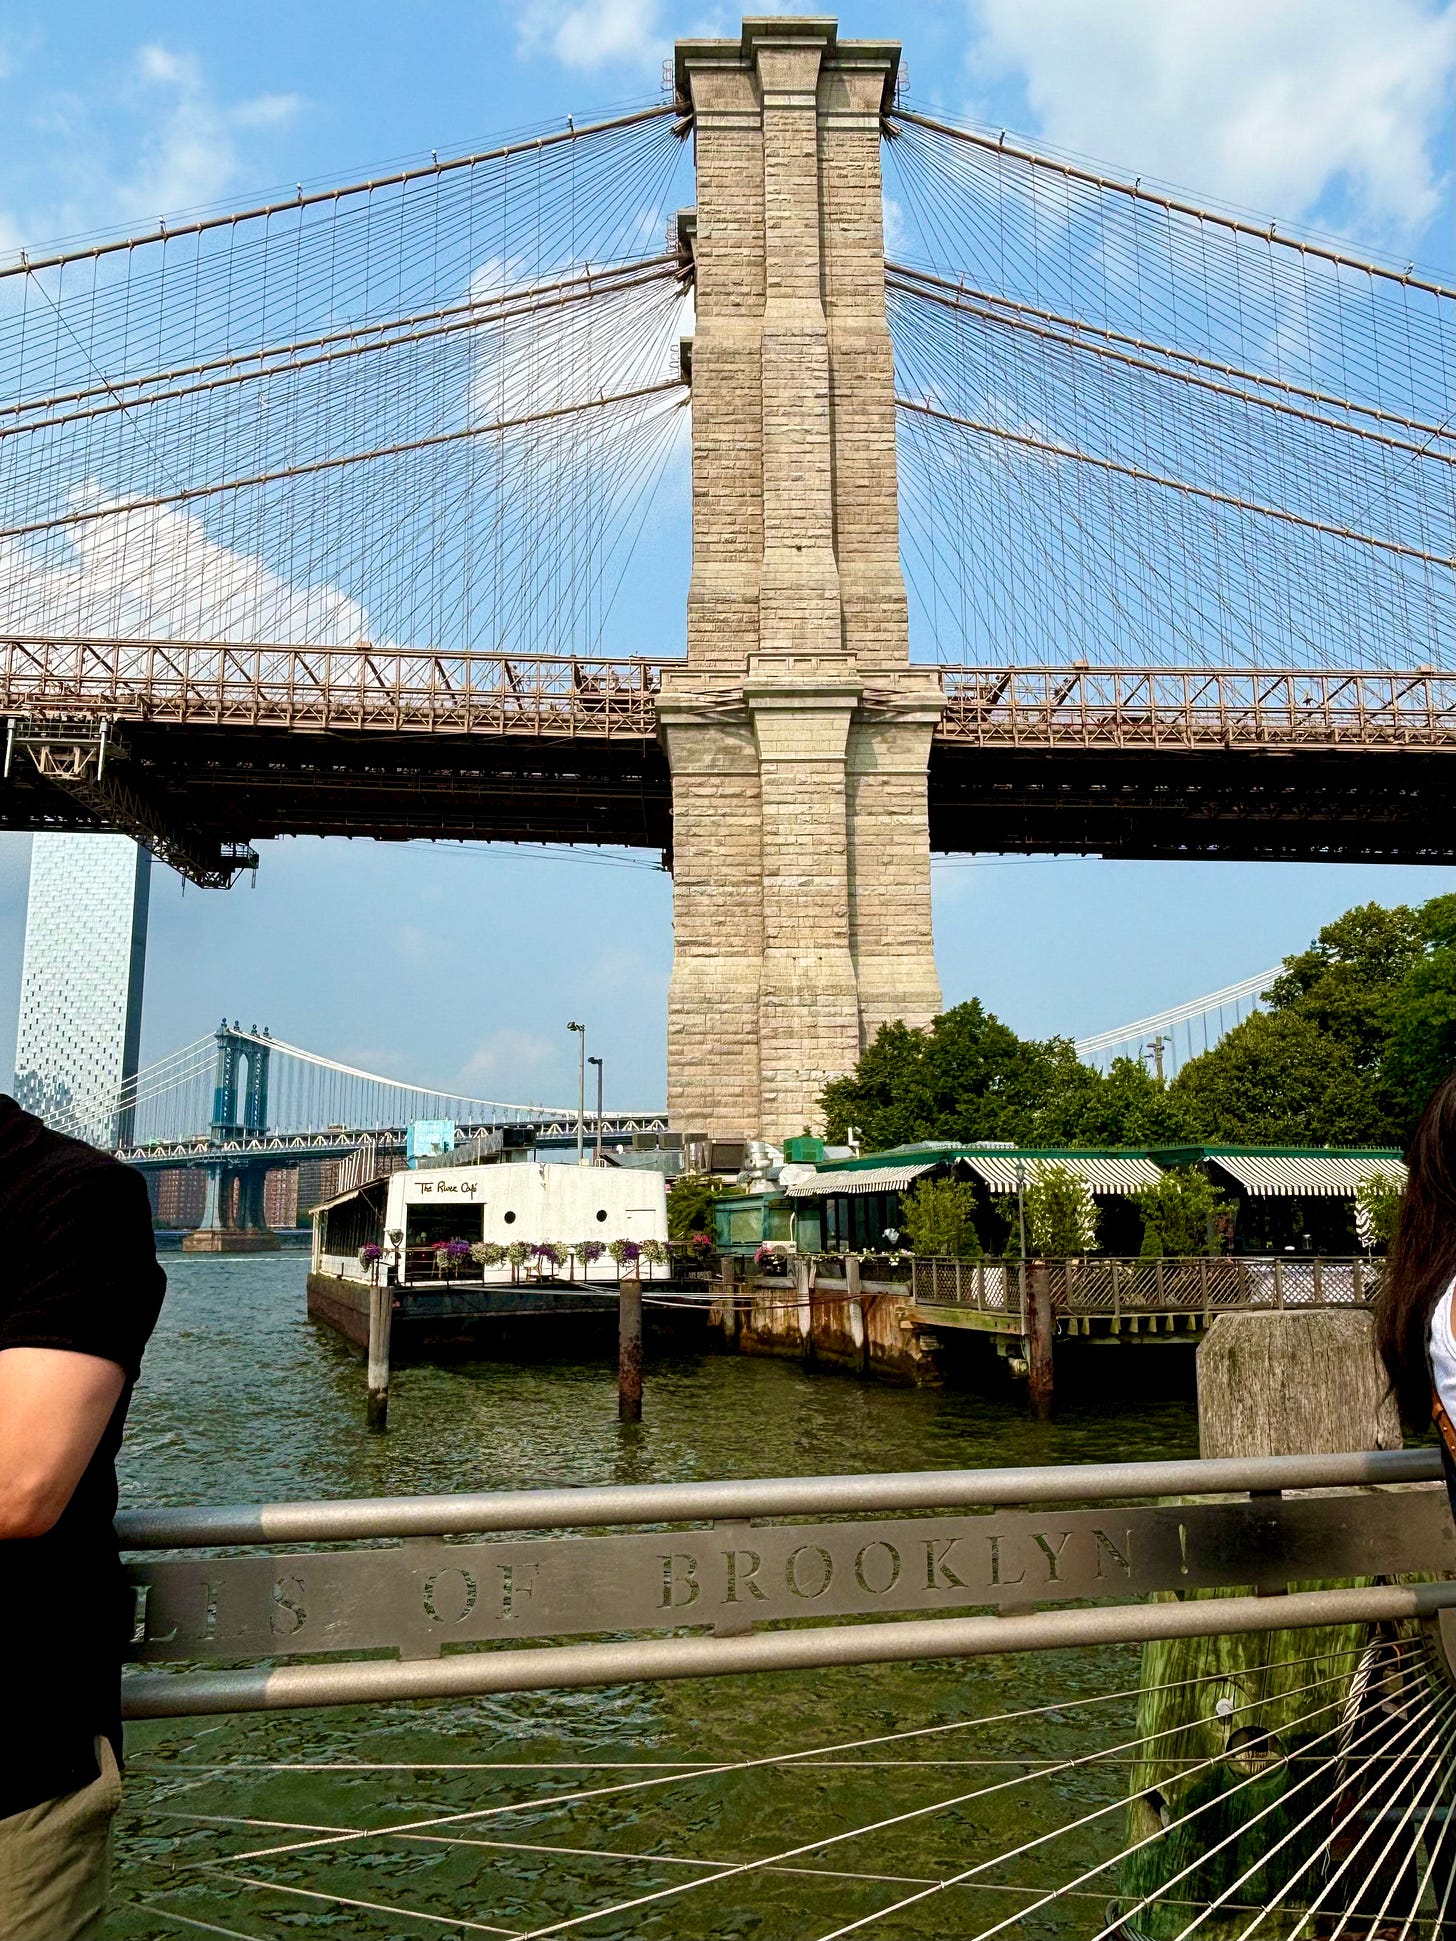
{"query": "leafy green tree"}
(1344, 982)
(1378, 1199)
(690, 1206)
(1126, 1106)
(1180, 1214)
(1277, 1079)
(1061, 1219)
(965, 1077)
(1420, 1016)
(939, 1219)
(968, 1076)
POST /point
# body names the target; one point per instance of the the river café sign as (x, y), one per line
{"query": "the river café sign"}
(419, 1595)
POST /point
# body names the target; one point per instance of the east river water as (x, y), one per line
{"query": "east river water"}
(581, 1802)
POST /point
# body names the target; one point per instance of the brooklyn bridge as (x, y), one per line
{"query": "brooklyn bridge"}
(1031, 509)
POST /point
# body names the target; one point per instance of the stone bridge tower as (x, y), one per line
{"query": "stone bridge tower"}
(797, 732)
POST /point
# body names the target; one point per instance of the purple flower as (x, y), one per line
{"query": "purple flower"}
(369, 1253)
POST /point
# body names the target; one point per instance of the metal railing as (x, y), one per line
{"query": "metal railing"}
(1197, 708)
(361, 687)
(1114, 1288)
(1091, 1541)
(391, 689)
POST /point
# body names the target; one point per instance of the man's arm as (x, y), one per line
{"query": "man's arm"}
(54, 1408)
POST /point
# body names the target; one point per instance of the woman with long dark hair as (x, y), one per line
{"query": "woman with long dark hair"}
(1415, 1329)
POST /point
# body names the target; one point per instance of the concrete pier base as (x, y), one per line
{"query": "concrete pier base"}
(870, 1331)
(231, 1240)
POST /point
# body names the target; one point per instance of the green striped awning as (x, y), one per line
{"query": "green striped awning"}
(862, 1179)
(1105, 1173)
(1306, 1175)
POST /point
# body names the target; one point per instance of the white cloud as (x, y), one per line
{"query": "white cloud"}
(1270, 106)
(506, 1060)
(190, 156)
(155, 574)
(606, 33)
(160, 142)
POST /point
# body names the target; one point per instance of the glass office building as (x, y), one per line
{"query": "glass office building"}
(81, 983)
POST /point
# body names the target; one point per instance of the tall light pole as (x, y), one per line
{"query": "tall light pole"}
(1021, 1207)
(598, 1063)
(580, 1030)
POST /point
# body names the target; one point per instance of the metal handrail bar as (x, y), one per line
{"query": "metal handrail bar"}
(327, 1521)
(187, 1694)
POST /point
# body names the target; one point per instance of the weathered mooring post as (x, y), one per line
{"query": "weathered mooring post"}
(381, 1314)
(1040, 1327)
(797, 731)
(1239, 1716)
(629, 1350)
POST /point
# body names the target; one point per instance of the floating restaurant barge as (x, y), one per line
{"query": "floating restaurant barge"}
(486, 1254)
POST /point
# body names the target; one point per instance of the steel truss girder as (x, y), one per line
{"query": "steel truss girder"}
(79, 758)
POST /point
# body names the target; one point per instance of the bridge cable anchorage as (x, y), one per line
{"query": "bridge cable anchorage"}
(1108, 395)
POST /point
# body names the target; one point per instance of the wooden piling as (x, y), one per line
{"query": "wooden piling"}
(381, 1309)
(629, 1350)
(728, 1297)
(1039, 1337)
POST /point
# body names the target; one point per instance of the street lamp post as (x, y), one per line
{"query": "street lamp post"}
(598, 1063)
(1021, 1208)
(580, 1030)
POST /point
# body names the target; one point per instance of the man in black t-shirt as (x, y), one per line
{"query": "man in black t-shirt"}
(80, 1291)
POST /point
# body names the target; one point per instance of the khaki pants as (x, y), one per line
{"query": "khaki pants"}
(55, 1861)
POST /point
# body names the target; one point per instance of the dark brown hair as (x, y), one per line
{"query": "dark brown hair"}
(1422, 1261)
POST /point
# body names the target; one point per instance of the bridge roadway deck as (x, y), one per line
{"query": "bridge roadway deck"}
(246, 743)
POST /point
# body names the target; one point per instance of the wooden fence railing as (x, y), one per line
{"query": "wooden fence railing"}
(1111, 1287)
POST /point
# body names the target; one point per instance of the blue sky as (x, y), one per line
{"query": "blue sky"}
(460, 967)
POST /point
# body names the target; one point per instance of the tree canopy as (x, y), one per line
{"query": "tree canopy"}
(1357, 1030)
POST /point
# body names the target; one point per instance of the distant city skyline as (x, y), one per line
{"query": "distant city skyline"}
(459, 967)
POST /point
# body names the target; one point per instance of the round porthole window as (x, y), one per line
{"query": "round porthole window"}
(509, 1218)
(602, 1214)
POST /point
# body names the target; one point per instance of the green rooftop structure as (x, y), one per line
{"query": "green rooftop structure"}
(1297, 1199)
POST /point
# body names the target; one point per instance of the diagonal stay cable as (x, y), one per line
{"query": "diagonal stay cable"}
(1277, 1898)
(879, 1826)
(1086, 1820)
(458, 1921)
(1254, 506)
(188, 493)
(28, 266)
(748, 1765)
(1108, 1933)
